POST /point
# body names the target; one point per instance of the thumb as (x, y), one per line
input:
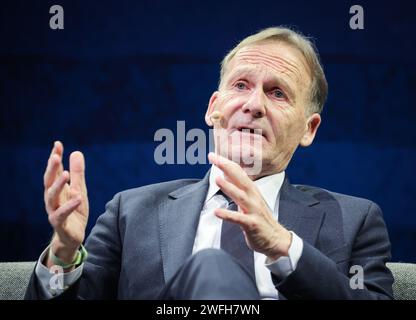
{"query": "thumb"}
(77, 171)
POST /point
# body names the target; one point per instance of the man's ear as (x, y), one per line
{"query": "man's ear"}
(312, 126)
(211, 108)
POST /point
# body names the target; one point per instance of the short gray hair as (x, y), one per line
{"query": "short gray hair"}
(319, 85)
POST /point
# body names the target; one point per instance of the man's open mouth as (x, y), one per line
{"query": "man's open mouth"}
(254, 131)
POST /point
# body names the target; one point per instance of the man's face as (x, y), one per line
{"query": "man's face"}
(265, 86)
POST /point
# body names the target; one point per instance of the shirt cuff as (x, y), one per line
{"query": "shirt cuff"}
(54, 281)
(284, 266)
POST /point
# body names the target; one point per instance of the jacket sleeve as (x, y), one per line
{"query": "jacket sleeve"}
(318, 277)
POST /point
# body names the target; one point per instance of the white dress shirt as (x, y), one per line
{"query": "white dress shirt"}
(209, 236)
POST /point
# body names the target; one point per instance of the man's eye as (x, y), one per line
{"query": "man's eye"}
(240, 85)
(278, 94)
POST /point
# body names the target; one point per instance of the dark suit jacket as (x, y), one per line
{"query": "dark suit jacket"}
(146, 234)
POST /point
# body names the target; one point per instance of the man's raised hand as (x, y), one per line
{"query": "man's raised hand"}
(66, 202)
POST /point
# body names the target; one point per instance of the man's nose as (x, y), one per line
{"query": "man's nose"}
(256, 104)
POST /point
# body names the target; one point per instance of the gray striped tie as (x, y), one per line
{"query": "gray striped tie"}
(233, 241)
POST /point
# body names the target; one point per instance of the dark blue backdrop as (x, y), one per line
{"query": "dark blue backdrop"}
(121, 70)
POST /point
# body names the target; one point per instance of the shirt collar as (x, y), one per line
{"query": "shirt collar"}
(268, 186)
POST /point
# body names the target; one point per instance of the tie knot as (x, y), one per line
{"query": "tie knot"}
(221, 193)
(231, 204)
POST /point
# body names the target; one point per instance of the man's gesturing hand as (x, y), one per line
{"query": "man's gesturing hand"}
(66, 202)
(263, 233)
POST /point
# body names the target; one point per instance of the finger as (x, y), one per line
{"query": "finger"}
(239, 196)
(53, 193)
(51, 170)
(58, 149)
(58, 217)
(77, 172)
(54, 165)
(231, 170)
(233, 216)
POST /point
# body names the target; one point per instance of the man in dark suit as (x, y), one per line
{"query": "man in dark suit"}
(241, 232)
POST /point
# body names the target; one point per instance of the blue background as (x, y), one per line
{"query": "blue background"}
(121, 70)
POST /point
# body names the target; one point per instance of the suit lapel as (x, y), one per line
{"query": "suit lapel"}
(178, 218)
(297, 212)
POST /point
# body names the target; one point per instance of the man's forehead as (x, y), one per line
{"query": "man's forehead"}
(249, 70)
(279, 57)
(272, 49)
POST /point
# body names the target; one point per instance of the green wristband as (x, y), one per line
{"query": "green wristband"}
(80, 257)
